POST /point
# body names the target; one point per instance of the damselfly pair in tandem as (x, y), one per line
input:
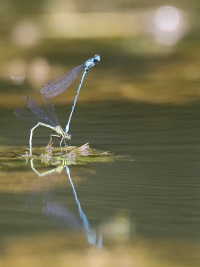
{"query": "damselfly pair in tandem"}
(52, 88)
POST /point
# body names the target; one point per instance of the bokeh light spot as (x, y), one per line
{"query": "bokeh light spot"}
(167, 18)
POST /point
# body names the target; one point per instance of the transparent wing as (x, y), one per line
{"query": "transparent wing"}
(50, 109)
(59, 84)
(25, 115)
(38, 111)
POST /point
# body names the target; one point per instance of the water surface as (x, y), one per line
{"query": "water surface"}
(144, 202)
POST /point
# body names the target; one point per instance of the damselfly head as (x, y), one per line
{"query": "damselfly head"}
(92, 62)
(62, 133)
(68, 136)
(96, 58)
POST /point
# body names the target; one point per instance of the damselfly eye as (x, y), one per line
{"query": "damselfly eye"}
(96, 58)
(68, 136)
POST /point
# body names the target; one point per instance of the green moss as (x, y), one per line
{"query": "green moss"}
(17, 156)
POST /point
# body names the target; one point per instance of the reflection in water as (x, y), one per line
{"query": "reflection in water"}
(54, 170)
(91, 234)
(61, 213)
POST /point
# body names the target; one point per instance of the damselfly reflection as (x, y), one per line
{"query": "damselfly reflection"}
(58, 169)
(60, 213)
(59, 84)
(41, 118)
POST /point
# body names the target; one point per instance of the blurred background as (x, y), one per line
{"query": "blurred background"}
(149, 50)
(142, 101)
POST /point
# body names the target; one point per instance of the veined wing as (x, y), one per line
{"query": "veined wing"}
(38, 111)
(50, 109)
(26, 115)
(59, 84)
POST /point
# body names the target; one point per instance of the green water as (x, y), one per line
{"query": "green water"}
(152, 194)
